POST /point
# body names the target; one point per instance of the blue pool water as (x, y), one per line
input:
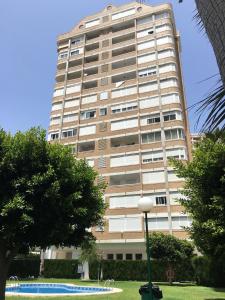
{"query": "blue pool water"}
(53, 288)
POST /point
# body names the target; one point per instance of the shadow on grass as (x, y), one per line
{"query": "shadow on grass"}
(214, 299)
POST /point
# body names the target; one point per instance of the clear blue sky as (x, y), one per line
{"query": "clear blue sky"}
(28, 31)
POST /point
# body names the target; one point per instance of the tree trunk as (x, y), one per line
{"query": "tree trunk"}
(4, 267)
(212, 14)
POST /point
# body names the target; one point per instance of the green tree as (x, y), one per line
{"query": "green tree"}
(46, 197)
(204, 194)
(170, 250)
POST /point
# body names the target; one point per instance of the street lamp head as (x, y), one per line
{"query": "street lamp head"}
(145, 204)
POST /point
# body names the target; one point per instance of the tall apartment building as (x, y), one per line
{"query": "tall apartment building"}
(119, 103)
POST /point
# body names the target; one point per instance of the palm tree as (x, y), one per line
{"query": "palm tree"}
(211, 16)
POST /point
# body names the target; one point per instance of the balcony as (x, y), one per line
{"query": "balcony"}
(60, 78)
(92, 47)
(124, 63)
(123, 50)
(75, 63)
(123, 38)
(124, 141)
(87, 146)
(90, 85)
(122, 26)
(124, 179)
(123, 77)
(91, 71)
(91, 59)
(74, 75)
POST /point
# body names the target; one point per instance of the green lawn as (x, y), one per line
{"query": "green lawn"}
(130, 292)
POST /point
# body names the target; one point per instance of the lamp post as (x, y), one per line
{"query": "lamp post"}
(145, 204)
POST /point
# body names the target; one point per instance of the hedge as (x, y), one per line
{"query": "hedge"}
(137, 270)
(24, 268)
(61, 268)
(118, 270)
(209, 271)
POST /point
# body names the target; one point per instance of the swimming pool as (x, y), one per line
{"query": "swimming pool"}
(56, 289)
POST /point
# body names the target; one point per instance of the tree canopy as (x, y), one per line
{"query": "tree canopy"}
(204, 193)
(168, 248)
(47, 197)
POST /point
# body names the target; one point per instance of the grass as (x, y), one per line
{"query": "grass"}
(130, 292)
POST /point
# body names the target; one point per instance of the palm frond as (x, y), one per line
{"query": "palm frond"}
(214, 106)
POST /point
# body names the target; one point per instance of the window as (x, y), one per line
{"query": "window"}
(149, 102)
(158, 223)
(54, 136)
(124, 107)
(103, 111)
(63, 55)
(145, 20)
(123, 14)
(152, 156)
(124, 92)
(146, 58)
(89, 99)
(124, 160)
(138, 256)
(166, 83)
(146, 45)
(170, 98)
(57, 106)
(74, 52)
(162, 15)
(73, 89)
(145, 32)
(92, 23)
(178, 153)
(70, 118)
(164, 40)
(180, 221)
(124, 124)
(169, 117)
(69, 133)
(129, 256)
(77, 41)
(73, 148)
(58, 92)
(160, 200)
(89, 114)
(166, 53)
(55, 121)
(147, 72)
(148, 87)
(124, 201)
(104, 95)
(174, 134)
(88, 130)
(153, 177)
(119, 256)
(110, 256)
(153, 119)
(72, 103)
(125, 224)
(167, 68)
(91, 163)
(151, 137)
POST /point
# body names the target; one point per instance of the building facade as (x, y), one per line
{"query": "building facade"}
(119, 103)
